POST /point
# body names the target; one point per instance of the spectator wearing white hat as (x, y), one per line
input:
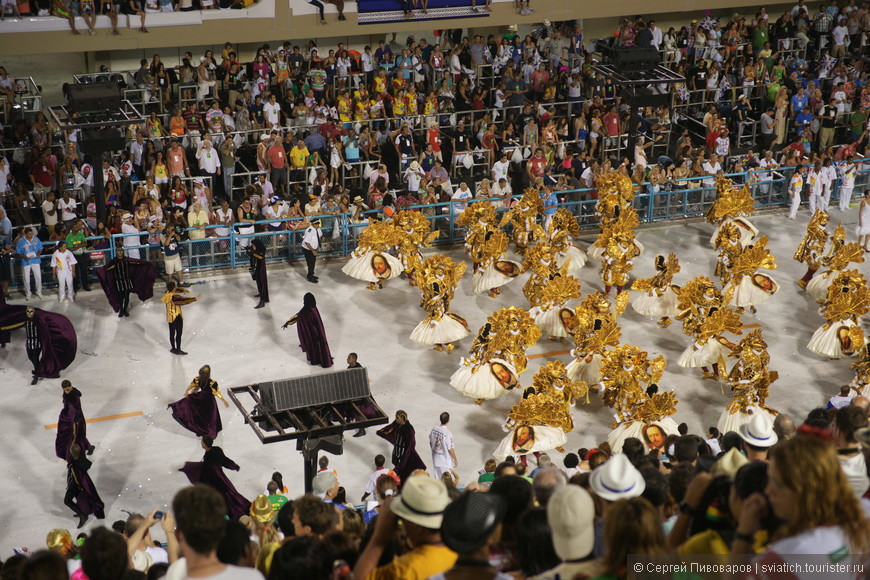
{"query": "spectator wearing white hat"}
(325, 486)
(571, 515)
(758, 436)
(616, 479)
(420, 506)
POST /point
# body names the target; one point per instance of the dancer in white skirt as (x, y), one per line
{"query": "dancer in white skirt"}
(750, 382)
(657, 296)
(746, 286)
(863, 229)
(498, 355)
(847, 301)
(595, 330)
(370, 261)
(539, 421)
(629, 386)
(705, 319)
(561, 232)
(486, 245)
(732, 206)
(839, 258)
(439, 277)
(552, 316)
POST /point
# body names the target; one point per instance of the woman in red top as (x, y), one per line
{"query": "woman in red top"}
(537, 163)
(178, 193)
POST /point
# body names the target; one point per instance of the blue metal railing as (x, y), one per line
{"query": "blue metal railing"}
(340, 236)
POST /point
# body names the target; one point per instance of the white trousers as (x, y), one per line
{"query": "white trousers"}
(825, 198)
(845, 198)
(26, 272)
(795, 204)
(65, 285)
(815, 201)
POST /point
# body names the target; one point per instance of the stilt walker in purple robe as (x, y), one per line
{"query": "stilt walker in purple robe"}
(312, 336)
(50, 339)
(257, 255)
(71, 425)
(123, 276)
(210, 471)
(197, 411)
(401, 434)
(81, 494)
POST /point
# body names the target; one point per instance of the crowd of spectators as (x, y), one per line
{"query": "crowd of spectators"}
(308, 130)
(769, 493)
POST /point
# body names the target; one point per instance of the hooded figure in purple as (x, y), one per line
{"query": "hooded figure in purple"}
(71, 426)
(257, 268)
(402, 435)
(312, 336)
(210, 471)
(123, 275)
(50, 339)
(197, 411)
(81, 494)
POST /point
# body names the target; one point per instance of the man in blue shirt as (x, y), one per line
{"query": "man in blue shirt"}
(551, 204)
(27, 250)
(799, 101)
(803, 119)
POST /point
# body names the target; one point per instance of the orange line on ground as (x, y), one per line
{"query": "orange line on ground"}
(106, 418)
(554, 353)
(751, 326)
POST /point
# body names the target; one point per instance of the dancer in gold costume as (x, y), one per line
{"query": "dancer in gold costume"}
(539, 421)
(439, 277)
(498, 355)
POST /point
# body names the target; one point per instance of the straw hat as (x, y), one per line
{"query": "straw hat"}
(422, 502)
(261, 509)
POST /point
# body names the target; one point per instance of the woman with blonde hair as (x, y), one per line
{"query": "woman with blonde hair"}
(809, 492)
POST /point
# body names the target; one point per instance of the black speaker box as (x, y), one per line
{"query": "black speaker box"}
(636, 59)
(101, 140)
(644, 97)
(94, 98)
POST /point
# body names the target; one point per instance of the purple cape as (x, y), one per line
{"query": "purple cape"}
(198, 412)
(312, 337)
(142, 276)
(405, 458)
(71, 426)
(56, 333)
(210, 471)
(87, 499)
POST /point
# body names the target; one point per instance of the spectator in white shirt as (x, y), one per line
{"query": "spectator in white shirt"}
(49, 211)
(462, 194)
(502, 189)
(712, 168)
(842, 399)
(272, 112)
(442, 446)
(414, 175)
(67, 207)
(500, 168)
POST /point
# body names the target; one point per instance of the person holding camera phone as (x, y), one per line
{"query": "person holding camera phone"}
(140, 546)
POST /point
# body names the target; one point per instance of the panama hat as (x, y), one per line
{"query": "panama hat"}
(617, 479)
(422, 502)
(729, 464)
(261, 509)
(759, 431)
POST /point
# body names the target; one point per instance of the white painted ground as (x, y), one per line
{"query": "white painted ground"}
(130, 369)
